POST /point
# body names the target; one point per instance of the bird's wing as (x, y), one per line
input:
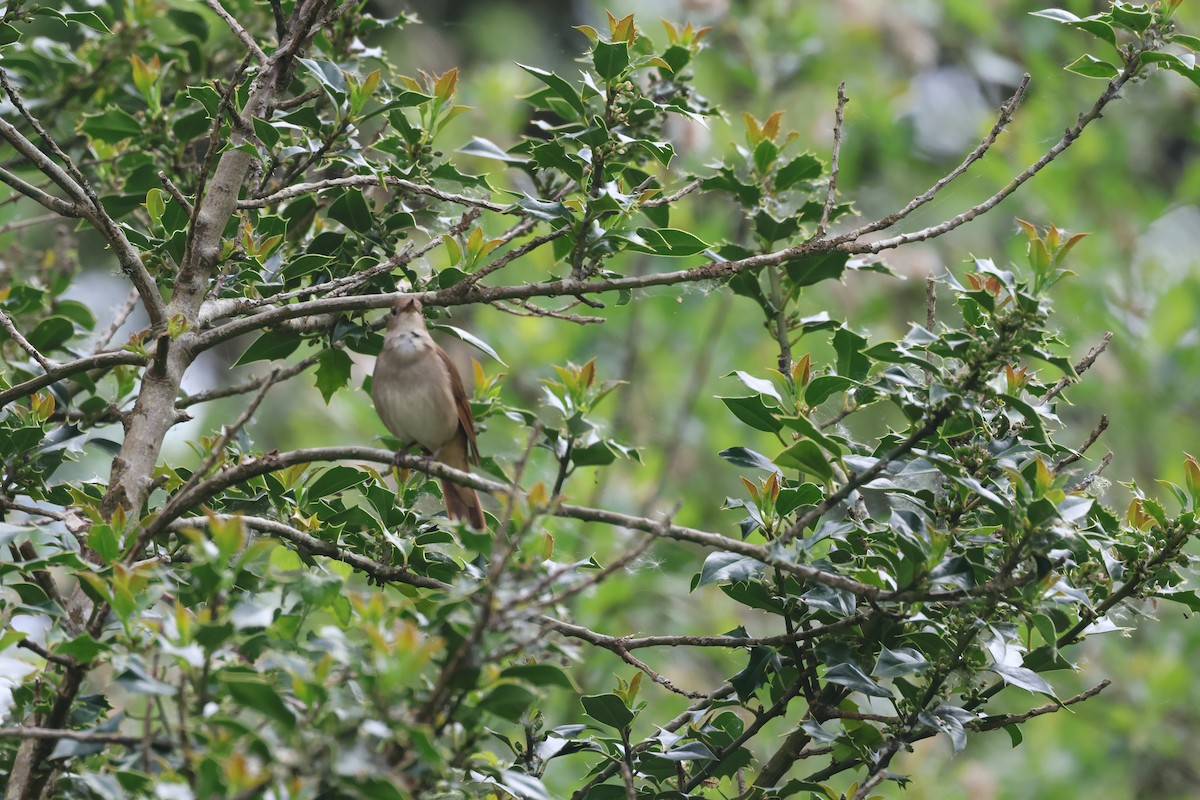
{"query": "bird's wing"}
(465, 419)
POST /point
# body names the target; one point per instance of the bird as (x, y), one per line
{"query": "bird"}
(419, 396)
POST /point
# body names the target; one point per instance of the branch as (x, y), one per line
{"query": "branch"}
(1006, 115)
(245, 387)
(1068, 138)
(238, 30)
(671, 198)
(49, 201)
(22, 224)
(617, 645)
(1002, 720)
(81, 736)
(24, 344)
(455, 295)
(1075, 455)
(1084, 364)
(300, 189)
(271, 462)
(98, 361)
(384, 573)
(839, 119)
(640, 642)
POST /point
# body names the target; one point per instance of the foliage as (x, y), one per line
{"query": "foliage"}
(292, 623)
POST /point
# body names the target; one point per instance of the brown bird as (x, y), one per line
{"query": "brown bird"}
(420, 398)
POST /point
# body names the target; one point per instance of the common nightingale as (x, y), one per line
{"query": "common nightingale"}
(419, 395)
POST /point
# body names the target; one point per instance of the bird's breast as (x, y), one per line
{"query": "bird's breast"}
(413, 395)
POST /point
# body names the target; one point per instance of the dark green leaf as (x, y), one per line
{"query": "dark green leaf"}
(334, 480)
(823, 387)
(806, 456)
(484, 148)
(560, 87)
(901, 661)
(1024, 678)
(814, 269)
(744, 457)
(51, 333)
(607, 709)
(333, 372)
(270, 346)
(1092, 67)
(753, 412)
(352, 211)
(852, 677)
(508, 701)
(610, 59)
(805, 167)
(112, 126)
(722, 567)
(668, 242)
(540, 675)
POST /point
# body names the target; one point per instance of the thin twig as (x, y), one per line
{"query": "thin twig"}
(21, 224)
(80, 736)
(238, 30)
(252, 385)
(96, 361)
(384, 573)
(8, 325)
(839, 119)
(300, 189)
(1074, 456)
(1084, 364)
(174, 191)
(118, 320)
(664, 200)
(1006, 114)
(1068, 138)
(523, 308)
(1090, 478)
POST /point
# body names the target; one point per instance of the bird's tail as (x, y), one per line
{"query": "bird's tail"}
(462, 502)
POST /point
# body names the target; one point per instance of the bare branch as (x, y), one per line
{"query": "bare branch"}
(238, 30)
(1001, 720)
(175, 192)
(1068, 138)
(616, 645)
(252, 385)
(1071, 458)
(97, 361)
(385, 181)
(118, 320)
(24, 344)
(664, 200)
(29, 222)
(1006, 115)
(384, 573)
(81, 736)
(1090, 478)
(1081, 367)
(57, 205)
(831, 193)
